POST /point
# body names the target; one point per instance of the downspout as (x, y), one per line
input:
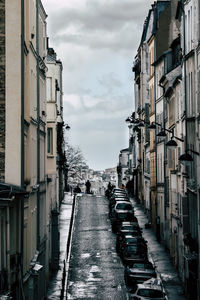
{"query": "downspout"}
(8, 242)
(38, 124)
(185, 81)
(155, 138)
(165, 163)
(22, 133)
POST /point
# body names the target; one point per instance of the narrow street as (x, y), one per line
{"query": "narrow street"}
(95, 270)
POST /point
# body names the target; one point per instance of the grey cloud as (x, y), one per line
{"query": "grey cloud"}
(100, 15)
(101, 24)
(110, 82)
(106, 109)
(123, 40)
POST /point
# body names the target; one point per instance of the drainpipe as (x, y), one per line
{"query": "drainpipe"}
(155, 138)
(38, 124)
(164, 171)
(8, 243)
(184, 68)
(22, 133)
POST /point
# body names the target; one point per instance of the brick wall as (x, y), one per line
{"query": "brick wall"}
(2, 90)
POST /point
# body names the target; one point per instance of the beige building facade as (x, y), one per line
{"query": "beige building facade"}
(25, 170)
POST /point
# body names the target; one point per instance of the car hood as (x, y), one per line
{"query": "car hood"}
(123, 211)
(137, 270)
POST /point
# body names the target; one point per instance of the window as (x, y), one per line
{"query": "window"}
(190, 95)
(171, 111)
(49, 88)
(188, 29)
(152, 98)
(50, 140)
(151, 62)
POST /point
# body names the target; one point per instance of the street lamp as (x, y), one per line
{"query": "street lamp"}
(136, 121)
(186, 157)
(67, 127)
(172, 144)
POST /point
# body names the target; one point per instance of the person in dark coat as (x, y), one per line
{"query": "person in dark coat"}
(77, 189)
(88, 185)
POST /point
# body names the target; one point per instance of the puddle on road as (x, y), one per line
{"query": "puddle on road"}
(94, 274)
(85, 255)
(80, 290)
(95, 269)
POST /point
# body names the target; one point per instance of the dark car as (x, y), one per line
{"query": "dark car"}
(121, 237)
(138, 272)
(131, 239)
(118, 192)
(133, 253)
(125, 226)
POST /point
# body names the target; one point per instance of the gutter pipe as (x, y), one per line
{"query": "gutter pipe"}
(22, 133)
(38, 124)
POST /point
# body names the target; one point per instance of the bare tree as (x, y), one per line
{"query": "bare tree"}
(75, 163)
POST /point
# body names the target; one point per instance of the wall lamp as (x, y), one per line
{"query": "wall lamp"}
(171, 143)
(153, 125)
(139, 122)
(186, 157)
(67, 127)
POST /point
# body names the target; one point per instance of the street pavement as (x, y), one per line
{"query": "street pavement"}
(160, 257)
(55, 286)
(105, 251)
(95, 270)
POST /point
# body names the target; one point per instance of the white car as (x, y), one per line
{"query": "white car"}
(147, 291)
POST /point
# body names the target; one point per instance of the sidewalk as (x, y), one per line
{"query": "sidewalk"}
(160, 257)
(55, 285)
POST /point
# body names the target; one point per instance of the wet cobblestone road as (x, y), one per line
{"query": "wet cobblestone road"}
(95, 270)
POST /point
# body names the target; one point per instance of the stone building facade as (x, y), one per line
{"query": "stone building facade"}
(24, 222)
(171, 39)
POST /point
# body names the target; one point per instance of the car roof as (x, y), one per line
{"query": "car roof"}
(132, 236)
(148, 286)
(126, 202)
(120, 198)
(127, 223)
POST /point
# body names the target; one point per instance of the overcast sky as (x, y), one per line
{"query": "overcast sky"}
(97, 41)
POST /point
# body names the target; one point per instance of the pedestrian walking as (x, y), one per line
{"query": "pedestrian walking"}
(77, 189)
(88, 186)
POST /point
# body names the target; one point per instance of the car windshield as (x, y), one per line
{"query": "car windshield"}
(131, 248)
(131, 240)
(127, 227)
(142, 266)
(125, 206)
(150, 293)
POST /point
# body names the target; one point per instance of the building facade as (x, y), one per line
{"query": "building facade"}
(24, 223)
(171, 41)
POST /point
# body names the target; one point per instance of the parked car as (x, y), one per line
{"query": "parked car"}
(122, 236)
(114, 202)
(133, 253)
(122, 211)
(118, 192)
(128, 225)
(148, 291)
(138, 272)
(130, 239)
